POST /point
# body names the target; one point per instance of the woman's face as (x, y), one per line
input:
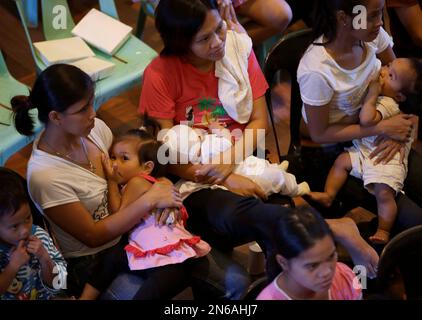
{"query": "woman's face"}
(374, 9)
(313, 270)
(79, 118)
(209, 42)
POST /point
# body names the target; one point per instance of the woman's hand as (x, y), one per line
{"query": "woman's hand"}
(244, 186)
(386, 150)
(213, 173)
(163, 195)
(398, 127)
(228, 14)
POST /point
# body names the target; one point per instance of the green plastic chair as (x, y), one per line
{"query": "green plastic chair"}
(125, 75)
(11, 141)
(147, 9)
(31, 13)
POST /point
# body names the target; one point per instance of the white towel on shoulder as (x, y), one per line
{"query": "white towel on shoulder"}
(234, 87)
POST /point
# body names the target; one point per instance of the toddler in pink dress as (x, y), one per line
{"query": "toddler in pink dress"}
(134, 165)
(153, 246)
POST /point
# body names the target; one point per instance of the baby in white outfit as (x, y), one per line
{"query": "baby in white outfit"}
(199, 146)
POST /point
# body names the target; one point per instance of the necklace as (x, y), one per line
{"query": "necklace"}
(88, 162)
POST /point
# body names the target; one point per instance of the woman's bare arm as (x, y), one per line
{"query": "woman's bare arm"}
(75, 219)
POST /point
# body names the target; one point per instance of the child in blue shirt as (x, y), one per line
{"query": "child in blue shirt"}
(30, 265)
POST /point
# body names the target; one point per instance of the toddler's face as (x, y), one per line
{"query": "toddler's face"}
(397, 76)
(16, 227)
(124, 156)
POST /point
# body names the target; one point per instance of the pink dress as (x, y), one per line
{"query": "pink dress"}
(343, 287)
(153, 246)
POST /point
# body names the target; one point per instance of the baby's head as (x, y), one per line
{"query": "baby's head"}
(402, 78)
(136, 152)
(15, 213)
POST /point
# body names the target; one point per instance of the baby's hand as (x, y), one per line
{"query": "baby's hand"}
(110, 168)
(36, 247)
(19, 256)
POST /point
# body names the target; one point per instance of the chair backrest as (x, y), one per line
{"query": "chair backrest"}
(4, 71)
(255, 289)
(54, 26)
(21, 10)
(147, 9)
(403, 252)
(285, 55)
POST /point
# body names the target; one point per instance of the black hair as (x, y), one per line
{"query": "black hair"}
(325, 16)
(296, 231)
(148, 145)
(55, 89)
(416, 91)
(178, 21)
(12, 193)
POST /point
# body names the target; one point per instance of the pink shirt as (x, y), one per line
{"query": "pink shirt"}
(341, 289)
(174, 89)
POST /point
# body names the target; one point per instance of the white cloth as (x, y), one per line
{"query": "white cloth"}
(392, 173)
(54, 181)
(234, 87)
(322, 81)
(201, 147)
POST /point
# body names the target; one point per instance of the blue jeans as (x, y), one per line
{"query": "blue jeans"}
(216, 277)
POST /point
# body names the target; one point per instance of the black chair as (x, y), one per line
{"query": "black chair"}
(403, 256)
(285, 56)
(255, 288)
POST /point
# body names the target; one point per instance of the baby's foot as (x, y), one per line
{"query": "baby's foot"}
(303, 188)
(322, 197)
(380, 237)
(284, 165)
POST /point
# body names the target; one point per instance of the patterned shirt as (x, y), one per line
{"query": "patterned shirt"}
(28, 283)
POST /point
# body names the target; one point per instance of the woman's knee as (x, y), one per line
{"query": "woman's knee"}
(275, 14)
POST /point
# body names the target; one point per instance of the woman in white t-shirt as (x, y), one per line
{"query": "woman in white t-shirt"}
(65, 173)
(334, 74)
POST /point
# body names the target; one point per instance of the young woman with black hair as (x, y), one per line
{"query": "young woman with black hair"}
(349, 46)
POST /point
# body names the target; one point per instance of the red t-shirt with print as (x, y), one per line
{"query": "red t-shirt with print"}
(174, 89)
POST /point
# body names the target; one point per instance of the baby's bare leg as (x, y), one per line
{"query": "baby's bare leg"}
(335, 180)
(387, 212)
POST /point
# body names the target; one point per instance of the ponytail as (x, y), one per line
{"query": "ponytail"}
(56, 88)
(23, 121)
